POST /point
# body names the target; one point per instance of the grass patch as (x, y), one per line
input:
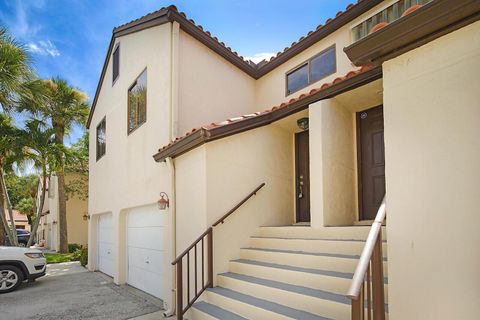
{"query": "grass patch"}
(60, 257)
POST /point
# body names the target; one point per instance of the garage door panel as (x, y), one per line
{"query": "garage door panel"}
(105, 235)
(147, 216)
(147, 237)
(146, 245)
(105, 252)
(148, 260)
(147, 281)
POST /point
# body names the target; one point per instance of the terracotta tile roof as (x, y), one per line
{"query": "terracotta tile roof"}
(283, 105)
(164, 10)
(171, 13)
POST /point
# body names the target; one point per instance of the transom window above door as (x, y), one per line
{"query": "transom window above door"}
(137, 102)
(316, 68)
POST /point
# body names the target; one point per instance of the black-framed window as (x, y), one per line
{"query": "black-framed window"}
(101, 138)
(137, 102)
(316, 68)
(116, 63)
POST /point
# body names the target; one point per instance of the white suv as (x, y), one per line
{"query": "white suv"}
(20, 264)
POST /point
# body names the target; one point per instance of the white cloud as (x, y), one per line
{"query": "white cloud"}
(44, 48)
(257, 57)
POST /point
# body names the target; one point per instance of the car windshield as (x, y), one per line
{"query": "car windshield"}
(21, 231)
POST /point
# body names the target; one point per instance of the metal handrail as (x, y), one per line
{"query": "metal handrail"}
(225, 216)
(199, 242)
(371, 261)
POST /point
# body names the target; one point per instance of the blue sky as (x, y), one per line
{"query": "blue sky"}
(69, 38)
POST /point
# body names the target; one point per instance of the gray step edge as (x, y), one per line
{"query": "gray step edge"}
(318, 254)
(316, 293)
(266, 305)
(216, 312)
(328, 273)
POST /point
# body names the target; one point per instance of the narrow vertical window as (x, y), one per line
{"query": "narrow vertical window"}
(137, 102)
(101, 139)
(116, 63)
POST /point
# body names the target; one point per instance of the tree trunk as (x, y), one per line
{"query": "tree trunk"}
(2, 228)
(38, 216)
(62, 201)
(10, 209)
(5, 229)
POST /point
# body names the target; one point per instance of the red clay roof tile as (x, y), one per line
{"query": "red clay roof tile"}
(282, 105)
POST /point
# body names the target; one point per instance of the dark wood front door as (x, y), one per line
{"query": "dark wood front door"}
(371, 161)
(302, 176)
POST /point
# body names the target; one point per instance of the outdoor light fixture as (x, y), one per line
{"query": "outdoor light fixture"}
(163, 203)
(303, 123)
(86, 216)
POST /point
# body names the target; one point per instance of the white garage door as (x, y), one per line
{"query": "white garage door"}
(146, 240)
(105, 244)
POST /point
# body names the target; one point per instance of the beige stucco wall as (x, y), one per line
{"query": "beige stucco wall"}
(127, 176)
(333, 174)
(432, 131)
(210, 88)
(215, 177)
(77, 228)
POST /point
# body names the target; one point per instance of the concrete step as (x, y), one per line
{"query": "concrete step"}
(341, 246)
(205, 311)
(319, 302)
(337, 282)
(316, 260)
(255, 308)
(356, 232)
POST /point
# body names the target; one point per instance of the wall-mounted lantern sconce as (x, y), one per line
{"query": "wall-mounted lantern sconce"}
(163, 203)
(303, 123)
(86, 216)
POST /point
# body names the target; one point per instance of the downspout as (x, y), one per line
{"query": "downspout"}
(171, 168)
(173, 118)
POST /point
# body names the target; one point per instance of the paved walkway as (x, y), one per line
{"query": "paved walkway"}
(70, 292)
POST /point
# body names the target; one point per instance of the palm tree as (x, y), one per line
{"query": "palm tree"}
(63, 106)
(10, 153)
(17, 78)
(41, 149)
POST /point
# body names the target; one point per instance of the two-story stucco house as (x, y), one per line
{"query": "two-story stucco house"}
(49, 228)
(235, 190)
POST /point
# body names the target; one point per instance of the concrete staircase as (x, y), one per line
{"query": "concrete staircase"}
(288, 273)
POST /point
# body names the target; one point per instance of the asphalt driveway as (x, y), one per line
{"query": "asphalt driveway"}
(70, 292)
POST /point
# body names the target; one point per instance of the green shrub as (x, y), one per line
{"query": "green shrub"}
(72, 247)
(83, 256)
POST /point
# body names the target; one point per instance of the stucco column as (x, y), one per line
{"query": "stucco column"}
(316, 165)
(120, 245)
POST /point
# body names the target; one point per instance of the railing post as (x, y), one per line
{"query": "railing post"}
(179, 290)
(358, 305)
(377, 280)
(210, 258)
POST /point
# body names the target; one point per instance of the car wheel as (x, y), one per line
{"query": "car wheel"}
(22, 244)
(10, 278)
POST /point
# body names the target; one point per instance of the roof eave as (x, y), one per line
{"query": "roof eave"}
(419, 27)
(206, 135)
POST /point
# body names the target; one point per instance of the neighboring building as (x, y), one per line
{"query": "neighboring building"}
(21, 220)
(380, 102)
(49, 228)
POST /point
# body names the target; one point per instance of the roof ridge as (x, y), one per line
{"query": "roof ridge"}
(173, 8)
